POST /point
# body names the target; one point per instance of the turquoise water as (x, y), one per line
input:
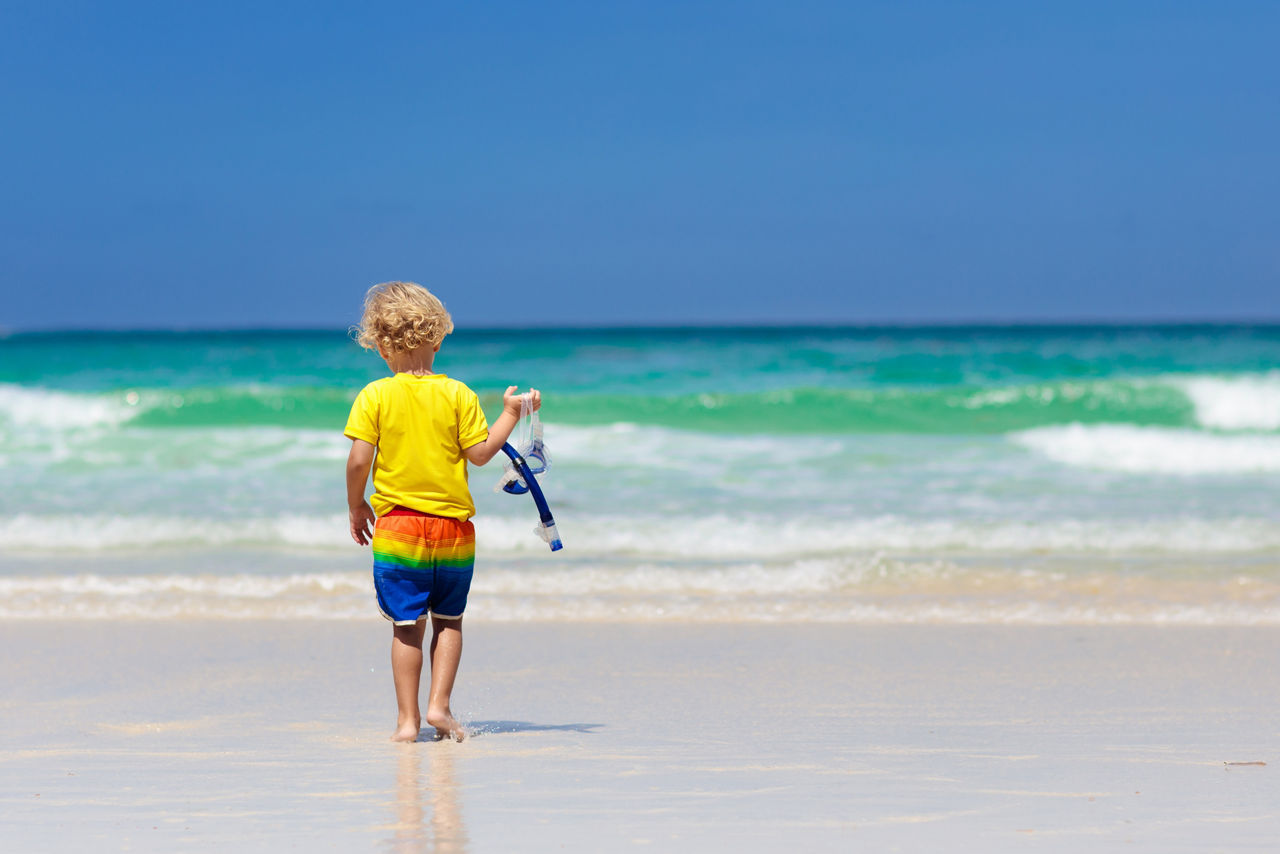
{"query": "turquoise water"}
(721, 380)
(961, 473)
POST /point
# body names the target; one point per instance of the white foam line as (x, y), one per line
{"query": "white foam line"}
(42, 408)
(1153, 450)
(1236, 403)
(709, 538)
(148, 601)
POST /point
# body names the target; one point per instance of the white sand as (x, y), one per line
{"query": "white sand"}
(254, 737)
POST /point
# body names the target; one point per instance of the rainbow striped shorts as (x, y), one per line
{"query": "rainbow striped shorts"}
(422, 565)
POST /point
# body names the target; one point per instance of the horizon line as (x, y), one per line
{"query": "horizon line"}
(6, 332)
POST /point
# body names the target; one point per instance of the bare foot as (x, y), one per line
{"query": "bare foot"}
(407, 731)
(446, 725)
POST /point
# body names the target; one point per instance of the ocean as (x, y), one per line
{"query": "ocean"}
(971, 474)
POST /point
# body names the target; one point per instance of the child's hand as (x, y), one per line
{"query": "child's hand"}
(362, 522)
(511, 400)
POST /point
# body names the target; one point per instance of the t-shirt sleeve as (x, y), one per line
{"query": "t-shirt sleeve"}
(362, 423)
(473, 428)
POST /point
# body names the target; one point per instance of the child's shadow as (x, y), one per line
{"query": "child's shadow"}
(501, 727)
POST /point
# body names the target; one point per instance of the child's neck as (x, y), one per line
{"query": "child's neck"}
(412, 362)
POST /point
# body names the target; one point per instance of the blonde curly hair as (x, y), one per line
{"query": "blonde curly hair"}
(400, 317)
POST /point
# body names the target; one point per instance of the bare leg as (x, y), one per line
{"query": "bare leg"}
(406, 668)
(446, 652)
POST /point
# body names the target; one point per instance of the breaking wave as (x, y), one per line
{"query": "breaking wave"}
(1239, 402)
(1154, 450)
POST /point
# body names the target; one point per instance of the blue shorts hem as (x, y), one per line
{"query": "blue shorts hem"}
(408, 597)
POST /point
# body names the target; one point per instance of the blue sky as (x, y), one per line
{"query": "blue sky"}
(260, 164)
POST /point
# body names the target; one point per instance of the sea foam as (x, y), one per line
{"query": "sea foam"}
(25, 407)
(1236, 403)
(1153, 450)
(630, 538)
(870, 591)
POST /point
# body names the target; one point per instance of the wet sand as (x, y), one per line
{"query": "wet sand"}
(162, 736)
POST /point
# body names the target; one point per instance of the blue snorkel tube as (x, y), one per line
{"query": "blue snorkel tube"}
(515, 487)
(522, 477)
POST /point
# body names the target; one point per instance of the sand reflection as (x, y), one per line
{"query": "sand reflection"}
(428, 816)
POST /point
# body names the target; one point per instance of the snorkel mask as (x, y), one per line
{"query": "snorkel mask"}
(530, 447)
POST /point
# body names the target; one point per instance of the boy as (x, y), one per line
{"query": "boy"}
(424, 427)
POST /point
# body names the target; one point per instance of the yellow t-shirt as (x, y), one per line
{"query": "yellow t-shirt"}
(421, 426)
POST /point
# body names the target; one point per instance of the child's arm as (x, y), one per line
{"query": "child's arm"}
(501, 429)
(359, 512)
